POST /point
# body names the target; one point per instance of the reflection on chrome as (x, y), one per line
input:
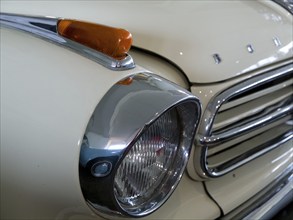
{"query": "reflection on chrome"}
(286, 49)
(283, 155)
(287, 160)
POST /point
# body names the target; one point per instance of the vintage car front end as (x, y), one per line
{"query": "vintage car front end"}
(193, 122)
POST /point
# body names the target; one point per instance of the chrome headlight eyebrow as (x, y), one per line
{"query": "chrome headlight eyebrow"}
(137, 144)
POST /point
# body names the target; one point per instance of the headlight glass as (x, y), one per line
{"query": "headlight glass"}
(145, 167)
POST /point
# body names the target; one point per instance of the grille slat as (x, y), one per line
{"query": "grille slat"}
(251, 124)
(248, 109)
(253, 153)
(232, 143)
(251, 144)
(259, 94)
(247, 121)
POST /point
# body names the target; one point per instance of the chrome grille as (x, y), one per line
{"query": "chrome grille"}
(246, 121)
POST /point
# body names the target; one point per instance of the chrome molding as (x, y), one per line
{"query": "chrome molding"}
(205, 137)
(46, 28)
(269, 115)
(287, 4)
(266, 203)
(252, 154)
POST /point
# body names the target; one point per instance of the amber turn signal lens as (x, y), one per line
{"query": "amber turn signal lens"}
(114, 42)
(125, 82)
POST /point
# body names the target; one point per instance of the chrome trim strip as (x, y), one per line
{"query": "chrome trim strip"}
(46, 28)
(205, 129)
(251, 154)
(266, 203)
(269, 115)
(256, 95)
(32, 24)
(287, 4)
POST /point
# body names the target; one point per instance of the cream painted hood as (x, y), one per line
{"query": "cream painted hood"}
(189, 33)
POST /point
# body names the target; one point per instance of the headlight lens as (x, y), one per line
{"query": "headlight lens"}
(136, 145)
(146, 167)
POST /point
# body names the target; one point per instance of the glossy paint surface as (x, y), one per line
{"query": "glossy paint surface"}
(48, 94)
(160, 66)
(47, 97)
(189, 33)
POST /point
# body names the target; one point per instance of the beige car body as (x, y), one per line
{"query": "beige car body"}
(42, 126)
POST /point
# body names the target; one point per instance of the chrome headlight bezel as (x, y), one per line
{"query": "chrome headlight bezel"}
(116, 125)
(287, 4)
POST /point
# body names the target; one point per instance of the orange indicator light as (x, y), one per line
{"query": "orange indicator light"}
(114, 42)
(125, 82)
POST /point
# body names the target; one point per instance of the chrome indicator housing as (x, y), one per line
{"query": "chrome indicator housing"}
(136, 145)
(46, 28)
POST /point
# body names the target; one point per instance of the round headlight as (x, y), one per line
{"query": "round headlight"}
(144, 177)
(131, 164)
